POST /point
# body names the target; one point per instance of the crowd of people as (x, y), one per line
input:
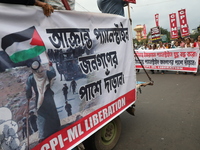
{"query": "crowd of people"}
(186, 42)
(179, 43)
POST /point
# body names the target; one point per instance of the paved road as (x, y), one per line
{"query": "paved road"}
(167, 115)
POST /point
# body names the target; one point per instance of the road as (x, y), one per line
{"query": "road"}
(167, 115)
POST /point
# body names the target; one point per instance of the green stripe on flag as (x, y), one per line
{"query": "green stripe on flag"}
(27, 54)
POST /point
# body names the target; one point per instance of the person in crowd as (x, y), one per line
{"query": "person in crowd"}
(41, 81)
(169, 46)
(68, 108)
(33, 121)
(47, 9)
(150, 47)
(65, 91)
(112, 6)
(154, 46)
(161, 45)
(188, 42)
(181, 42)
(146, 47)
(197, 43)
(176, 44)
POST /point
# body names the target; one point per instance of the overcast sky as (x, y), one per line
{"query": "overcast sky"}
(143, 12)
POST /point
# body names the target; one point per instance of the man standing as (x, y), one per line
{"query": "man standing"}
(65, 91)
(73, 85)
(68, 108)
(111, 6)
(33, 121)
(40, 81)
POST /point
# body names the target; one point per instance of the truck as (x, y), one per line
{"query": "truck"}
(65, 79)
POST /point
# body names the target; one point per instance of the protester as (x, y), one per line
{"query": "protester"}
(176, 44)
(47, 9)
(188, 43)
(161, 46)
(112, 6)
(197, 43)
(181, 42)
(150, 47)
(40, 81)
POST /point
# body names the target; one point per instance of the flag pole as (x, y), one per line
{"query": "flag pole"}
(129, 14)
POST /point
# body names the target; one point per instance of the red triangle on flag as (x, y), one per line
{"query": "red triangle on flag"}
(36, 39)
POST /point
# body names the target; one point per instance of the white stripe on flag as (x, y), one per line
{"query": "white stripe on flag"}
(19, 46)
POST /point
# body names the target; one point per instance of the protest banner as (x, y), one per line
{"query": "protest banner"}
(173, 26)
(183, 23)
(89, 81)
(155, 34)
(144, 32)
(157, 20)
(179, 59)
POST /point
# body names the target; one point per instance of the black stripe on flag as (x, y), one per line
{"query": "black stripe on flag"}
(21, 36)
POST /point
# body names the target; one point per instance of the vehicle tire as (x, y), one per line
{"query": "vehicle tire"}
(106, 138)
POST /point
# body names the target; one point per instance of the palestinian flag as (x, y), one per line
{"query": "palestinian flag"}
(23, 45)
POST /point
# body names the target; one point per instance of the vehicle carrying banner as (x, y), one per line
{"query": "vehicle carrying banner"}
(63, 77)
(178, 59)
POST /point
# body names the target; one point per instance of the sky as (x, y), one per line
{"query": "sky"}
(144, 11)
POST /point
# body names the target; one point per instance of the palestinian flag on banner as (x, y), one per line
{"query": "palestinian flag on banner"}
(23, 45)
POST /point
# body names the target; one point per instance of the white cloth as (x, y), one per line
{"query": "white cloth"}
(41, 82)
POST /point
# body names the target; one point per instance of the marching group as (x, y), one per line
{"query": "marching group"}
(179, 43)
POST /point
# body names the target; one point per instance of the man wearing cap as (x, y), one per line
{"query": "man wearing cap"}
(41, 81)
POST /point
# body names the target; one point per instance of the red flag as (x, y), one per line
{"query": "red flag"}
(157, 19)
(144, 32)
(183, 23)
(173, 26)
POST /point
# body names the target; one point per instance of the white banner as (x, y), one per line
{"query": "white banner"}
(179, 59)
(92, 79)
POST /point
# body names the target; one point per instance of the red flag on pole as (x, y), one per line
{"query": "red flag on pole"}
(144, 32)
(173, 26)
(157, 19)
(183, 23)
